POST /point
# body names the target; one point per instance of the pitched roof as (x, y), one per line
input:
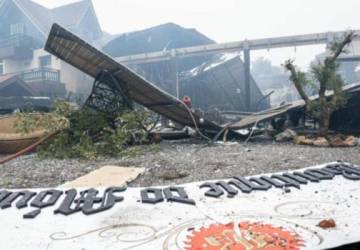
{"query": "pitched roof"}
(8, 79)
(71, 14)
(38, 14)
(162, 37)
(68, 15)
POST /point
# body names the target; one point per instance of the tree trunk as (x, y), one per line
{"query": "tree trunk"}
(324, 122)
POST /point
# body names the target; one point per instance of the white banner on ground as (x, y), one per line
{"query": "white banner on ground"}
(281, 211)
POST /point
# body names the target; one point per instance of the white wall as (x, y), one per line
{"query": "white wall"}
(75, 80)
(12, 66)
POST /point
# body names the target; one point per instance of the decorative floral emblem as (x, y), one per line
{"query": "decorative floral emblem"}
(249, 236)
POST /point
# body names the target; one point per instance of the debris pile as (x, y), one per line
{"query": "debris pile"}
(287, 135)
(330, 141)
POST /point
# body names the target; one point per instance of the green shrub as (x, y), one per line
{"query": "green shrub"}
(86, 133)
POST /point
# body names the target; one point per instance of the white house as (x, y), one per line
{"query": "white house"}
(24, 26)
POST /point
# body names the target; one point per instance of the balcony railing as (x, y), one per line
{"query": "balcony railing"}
(41, 74)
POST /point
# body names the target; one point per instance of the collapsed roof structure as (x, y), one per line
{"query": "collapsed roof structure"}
(219, 83)
(164, 37)
(229, 73)
(344, 120)
(75, 51)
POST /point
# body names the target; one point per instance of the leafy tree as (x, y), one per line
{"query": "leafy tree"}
(325, 77)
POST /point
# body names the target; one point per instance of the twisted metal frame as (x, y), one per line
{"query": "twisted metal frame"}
(109, 96)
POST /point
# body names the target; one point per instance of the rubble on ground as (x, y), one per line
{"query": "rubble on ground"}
(302, 140)
(343, 141)
(331, 141)
(321, 142)
(190, 160)
(287, 135)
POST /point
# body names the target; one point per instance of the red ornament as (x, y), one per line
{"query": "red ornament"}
(252, 236)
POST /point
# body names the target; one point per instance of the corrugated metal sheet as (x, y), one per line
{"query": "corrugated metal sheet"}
(278, 111)
(220, 83)
(91, 61)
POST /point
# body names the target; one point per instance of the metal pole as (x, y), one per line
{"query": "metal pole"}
(177, 78)
(175, 72)
(247, 79)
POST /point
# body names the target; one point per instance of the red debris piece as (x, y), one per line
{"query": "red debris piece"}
(325, 224)
(187, 101)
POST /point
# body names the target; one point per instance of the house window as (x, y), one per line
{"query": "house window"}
(45, 61)
(17, 28)
(2, 67)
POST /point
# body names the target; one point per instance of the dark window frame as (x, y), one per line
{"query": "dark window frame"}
(45, 61)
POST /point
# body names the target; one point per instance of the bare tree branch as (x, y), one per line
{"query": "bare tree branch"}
(339, 47)
(298, 78)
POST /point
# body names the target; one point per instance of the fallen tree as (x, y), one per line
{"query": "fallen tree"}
(86, 133)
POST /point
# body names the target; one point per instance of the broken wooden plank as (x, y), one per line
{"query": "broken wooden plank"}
(105, 177)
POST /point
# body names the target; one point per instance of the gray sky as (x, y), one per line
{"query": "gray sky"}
(232, 20)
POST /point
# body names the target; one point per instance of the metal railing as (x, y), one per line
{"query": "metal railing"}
(41, 74)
